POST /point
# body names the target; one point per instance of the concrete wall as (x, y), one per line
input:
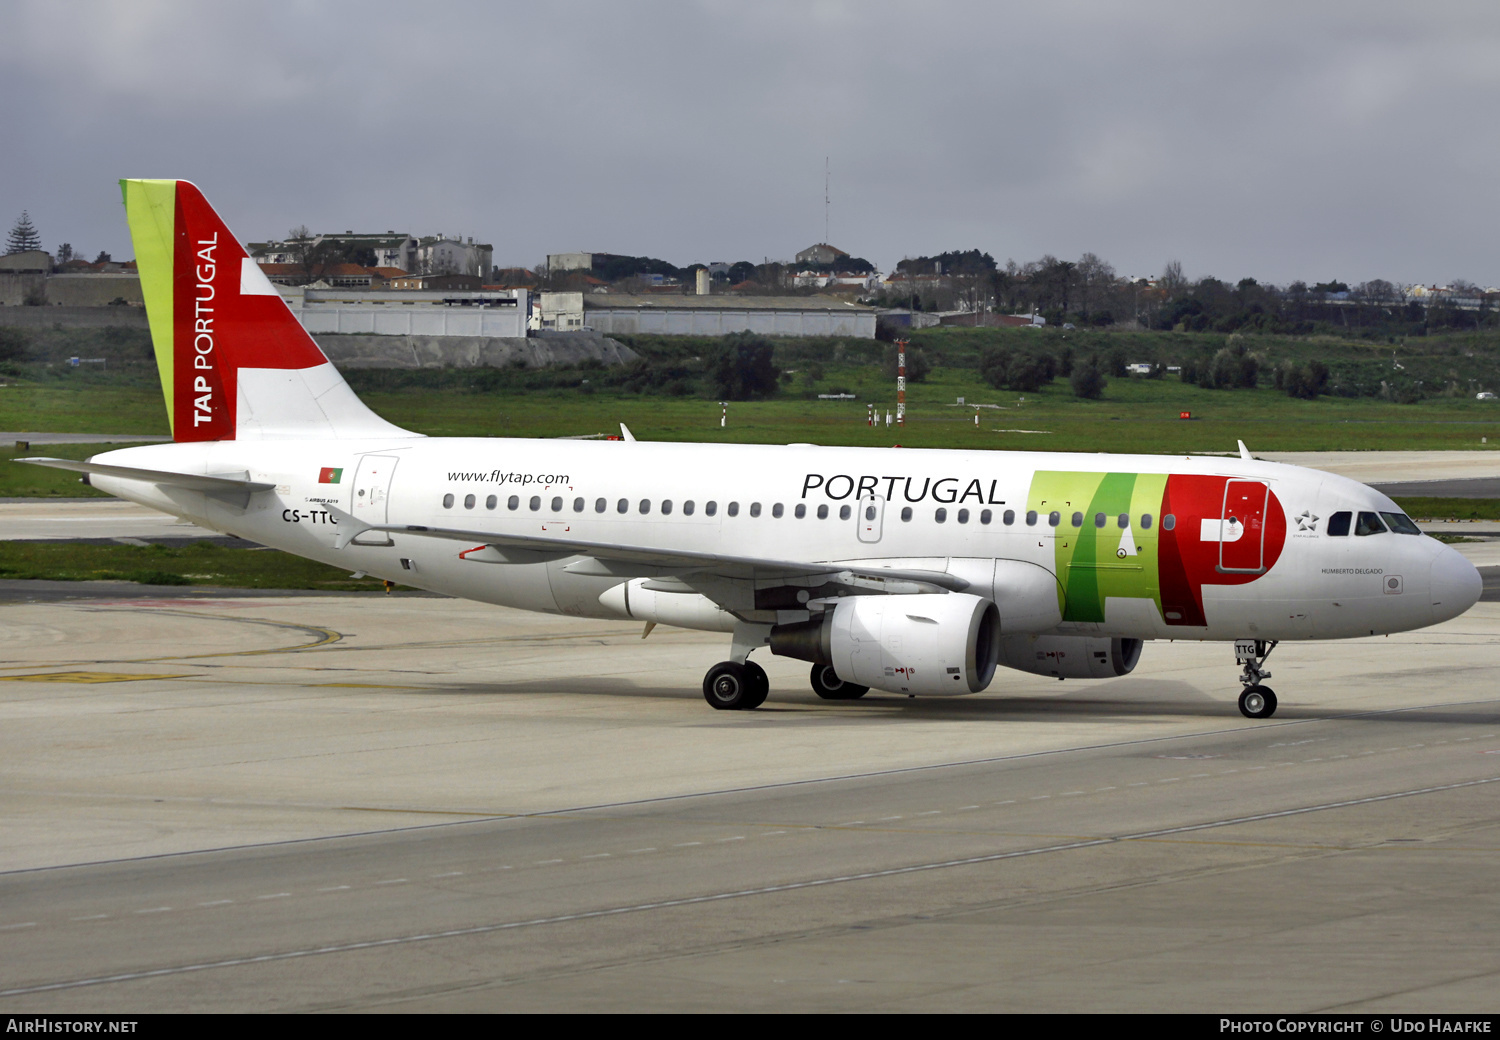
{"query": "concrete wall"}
(355, 319)
(72, 290)
(665, 321)
(73, 317)
(369, 351)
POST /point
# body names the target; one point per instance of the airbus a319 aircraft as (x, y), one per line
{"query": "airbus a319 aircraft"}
(914, 572)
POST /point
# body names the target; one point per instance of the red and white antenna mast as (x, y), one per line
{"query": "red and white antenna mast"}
(901, 382)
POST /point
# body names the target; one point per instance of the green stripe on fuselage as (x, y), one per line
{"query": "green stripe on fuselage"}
(1097, 563)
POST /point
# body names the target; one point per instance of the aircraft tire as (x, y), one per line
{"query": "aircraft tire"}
(1258, 702)
(728, 686)
(760, 685)
(827, 684)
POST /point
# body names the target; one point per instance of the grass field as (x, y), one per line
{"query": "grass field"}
(195, 563)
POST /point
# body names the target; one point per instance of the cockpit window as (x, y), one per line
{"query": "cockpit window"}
(1401, 523)
(1368, 523)
(1338, 523)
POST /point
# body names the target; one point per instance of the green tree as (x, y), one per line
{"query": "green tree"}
(1088, 381)
(1017, 370)
(743, 369)
(23, 237)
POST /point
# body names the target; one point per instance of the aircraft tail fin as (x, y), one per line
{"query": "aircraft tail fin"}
(235, 363)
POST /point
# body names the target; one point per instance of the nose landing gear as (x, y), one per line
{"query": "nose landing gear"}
(1257, 701)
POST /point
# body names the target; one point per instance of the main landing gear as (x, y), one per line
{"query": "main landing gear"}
(1257, 701)
(730, 686)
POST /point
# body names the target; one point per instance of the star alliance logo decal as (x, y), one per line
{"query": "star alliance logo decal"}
(1307, 520)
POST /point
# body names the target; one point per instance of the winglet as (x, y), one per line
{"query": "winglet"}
(625, 432)
(1245, 452)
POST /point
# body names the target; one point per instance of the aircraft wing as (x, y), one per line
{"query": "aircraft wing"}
(633, 561)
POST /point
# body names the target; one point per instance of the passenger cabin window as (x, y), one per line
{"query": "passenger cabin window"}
(1168, 522)
(710, 508)
(448, 501)
(800, 511)
(688, 507)
(1077, 519)
(845, 512)
(1401, 523)
(1338, 523)
(491, 502)
(557, 505)
(600, 505)
(1368, 523)
(1145, 521)
(985, 516)
(941, 516)
(535, 503)
(1031, 518)
(906, 514)
(666, 507)
(822, 512)
(645, 506)
(734, 509)
(963, 516)
(1008, 517)
(1100, 520)
(622, 506)
(513, 502)
(1123, 521)
(755, 509)
(578, 505)
(1054, 518)
(777, 510)
(468, 501)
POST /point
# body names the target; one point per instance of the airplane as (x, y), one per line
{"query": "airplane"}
(909, 571)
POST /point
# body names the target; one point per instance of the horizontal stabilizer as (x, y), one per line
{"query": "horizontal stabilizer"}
(216, 484)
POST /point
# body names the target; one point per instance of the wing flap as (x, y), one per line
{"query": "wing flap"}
(626, 561)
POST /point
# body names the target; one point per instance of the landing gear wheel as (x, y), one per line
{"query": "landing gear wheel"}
(760, 685)
(1258, 702)
(827, 684)
(729, 686)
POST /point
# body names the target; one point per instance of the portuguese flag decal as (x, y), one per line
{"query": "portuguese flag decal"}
(330, 475)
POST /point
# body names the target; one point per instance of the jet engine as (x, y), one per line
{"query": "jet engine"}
(925, 643)
(1071, 657)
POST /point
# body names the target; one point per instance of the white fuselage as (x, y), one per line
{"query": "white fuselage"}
(743, 500)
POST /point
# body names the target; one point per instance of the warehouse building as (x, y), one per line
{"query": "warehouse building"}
(620, 314)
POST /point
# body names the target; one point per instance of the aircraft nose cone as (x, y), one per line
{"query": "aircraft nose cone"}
(1456, 585)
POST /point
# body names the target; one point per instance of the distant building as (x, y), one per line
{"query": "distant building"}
(569, 262)
(439, 255)
(436, 281)
(32, 261)
(822, 253)
(679, 315)
(410, 312)
(558, 312)
(391, 249)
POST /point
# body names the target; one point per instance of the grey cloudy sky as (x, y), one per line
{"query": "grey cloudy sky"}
(1272, 140)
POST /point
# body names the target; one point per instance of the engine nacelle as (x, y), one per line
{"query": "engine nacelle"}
(1071, 657)
(930, 643)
